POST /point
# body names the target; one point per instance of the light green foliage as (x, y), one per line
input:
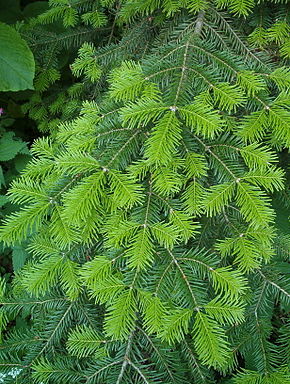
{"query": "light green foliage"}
(121, 316)
(41, 279)
(225, 311)
(206, 332)
(252, 83)
(86, 63)
(273, 32)
(163, 141)
(127, 81)
(153, 312)
(175, 324)
(230, 282)
(218, 197)
(202, 119)
(281, 77)
(148, 215)
(84, 341)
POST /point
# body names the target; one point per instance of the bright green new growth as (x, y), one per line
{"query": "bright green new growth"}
(149, 221)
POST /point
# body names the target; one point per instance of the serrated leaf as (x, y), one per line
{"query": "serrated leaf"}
(9, 147)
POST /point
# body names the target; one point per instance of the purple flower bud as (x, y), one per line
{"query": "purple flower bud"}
(1, 111)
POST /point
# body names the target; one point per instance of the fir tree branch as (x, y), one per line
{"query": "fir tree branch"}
(183, 275)
(259, 328)
(138, 371)
(199, 23)
(164, 362)
(207, 149)
(234, 33)
(195, 362)
(122, 149)
(126, 358)
(163, 276)
(95, 374)
(267, 280)
(59, 324)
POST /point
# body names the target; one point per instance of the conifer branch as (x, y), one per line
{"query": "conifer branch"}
(183, 275)
(195, 362)
(149, 210)
(199, 23)
(126, 358)
(54, 331)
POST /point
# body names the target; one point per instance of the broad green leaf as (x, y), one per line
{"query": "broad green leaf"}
(9, 146)
(21, 161)
(16, 61)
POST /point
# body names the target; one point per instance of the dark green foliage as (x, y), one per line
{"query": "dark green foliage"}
(14, 155)
(155, 254)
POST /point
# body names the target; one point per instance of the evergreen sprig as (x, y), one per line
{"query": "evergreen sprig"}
(149, 216)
